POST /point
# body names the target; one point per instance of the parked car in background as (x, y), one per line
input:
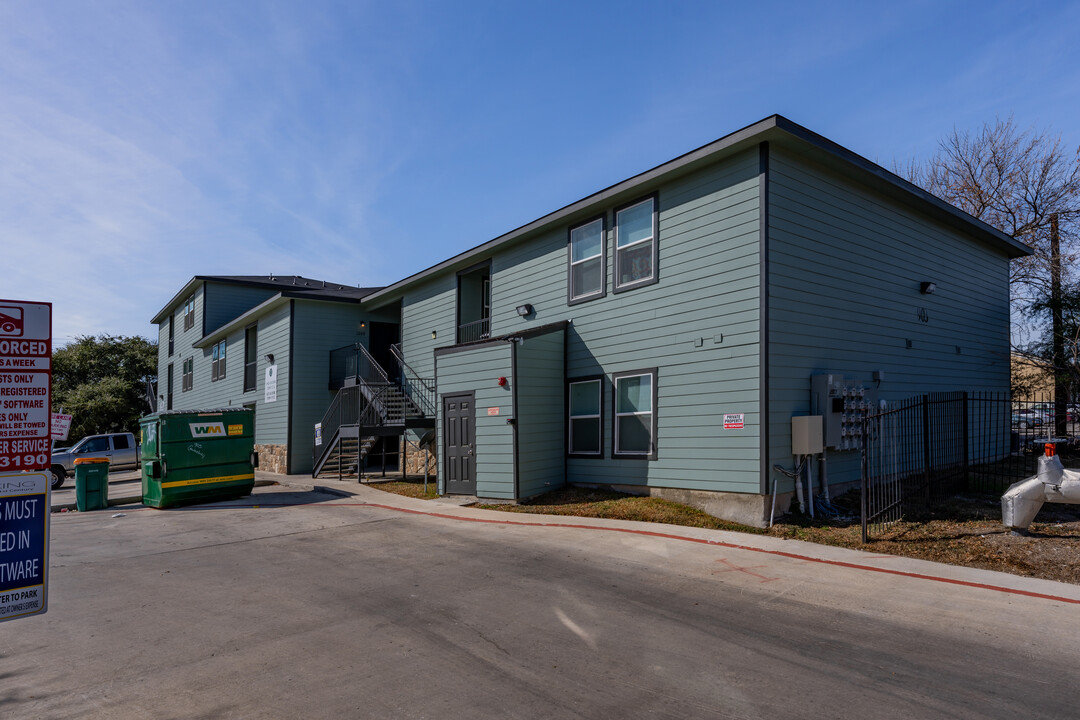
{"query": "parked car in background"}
(1024, 418)
(120, 449)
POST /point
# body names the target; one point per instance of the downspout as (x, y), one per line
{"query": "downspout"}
(512, 420)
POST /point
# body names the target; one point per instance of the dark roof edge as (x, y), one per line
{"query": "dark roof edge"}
(702, 153)
(750, 134)
(823, 143)
(230, 280)
(522, 334)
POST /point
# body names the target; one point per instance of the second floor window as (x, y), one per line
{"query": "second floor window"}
(187, 379)
(251, 358)
(189, 313)
(587, 260)
(635, 244)
(217, 361)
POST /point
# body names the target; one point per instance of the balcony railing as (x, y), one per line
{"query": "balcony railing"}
(353, 362)
(473, 331)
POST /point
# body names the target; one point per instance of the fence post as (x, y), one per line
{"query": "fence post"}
(927, 454)
(967, 451)
(865, 485)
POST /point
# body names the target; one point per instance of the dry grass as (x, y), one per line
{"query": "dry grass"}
(965, 531)
(413, 488)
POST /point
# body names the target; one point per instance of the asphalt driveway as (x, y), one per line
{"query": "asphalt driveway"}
(306, 604)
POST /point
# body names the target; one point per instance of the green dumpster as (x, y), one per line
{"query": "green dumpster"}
(197, 456)
(91, 484)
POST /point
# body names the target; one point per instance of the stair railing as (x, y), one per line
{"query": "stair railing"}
(343, 410)
(420, 391)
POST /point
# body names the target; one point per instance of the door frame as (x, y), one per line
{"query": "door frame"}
(471, 395)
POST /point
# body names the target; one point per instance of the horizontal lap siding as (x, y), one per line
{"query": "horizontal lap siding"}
(540, 414)
(319, 328)
(709, 287)
(225, 303)
(845, 265)
(478, 370)
(273, 337)
(429, 307)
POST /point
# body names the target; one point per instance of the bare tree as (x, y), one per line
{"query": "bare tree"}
(1027, 184)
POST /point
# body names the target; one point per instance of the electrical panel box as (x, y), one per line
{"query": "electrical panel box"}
(806, 435)
(842, 403)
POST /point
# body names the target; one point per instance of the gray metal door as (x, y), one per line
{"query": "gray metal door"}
(458, 444)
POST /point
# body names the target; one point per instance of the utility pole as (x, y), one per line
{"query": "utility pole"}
(1057, 328)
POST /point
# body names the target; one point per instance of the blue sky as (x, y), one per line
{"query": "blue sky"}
(142, 143)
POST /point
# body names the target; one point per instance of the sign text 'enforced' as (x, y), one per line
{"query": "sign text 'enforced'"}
(25, 385)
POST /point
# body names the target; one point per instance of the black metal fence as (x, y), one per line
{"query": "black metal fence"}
(922, 451)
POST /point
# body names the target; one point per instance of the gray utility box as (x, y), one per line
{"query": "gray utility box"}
(842, 402)
(807, 435)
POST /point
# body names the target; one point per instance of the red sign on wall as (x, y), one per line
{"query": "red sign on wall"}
(25, 385)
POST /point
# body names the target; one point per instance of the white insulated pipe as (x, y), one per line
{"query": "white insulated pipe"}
(1023, 500)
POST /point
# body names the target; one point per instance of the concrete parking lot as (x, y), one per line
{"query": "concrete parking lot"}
(123, 483)
(299, 603)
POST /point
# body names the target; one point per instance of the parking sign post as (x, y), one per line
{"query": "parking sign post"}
(25, 447)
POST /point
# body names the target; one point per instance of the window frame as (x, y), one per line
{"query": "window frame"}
(569, 418)
(172, 335)
(251, 342)
(189, 313)
(217, 360)
(618, 287)
(187, 375)
(615, 415)
(572, 299)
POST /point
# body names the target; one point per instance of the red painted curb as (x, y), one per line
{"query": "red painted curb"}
(668, 536)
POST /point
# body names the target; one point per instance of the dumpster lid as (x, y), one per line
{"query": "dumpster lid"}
(90, 461)
(212, 411)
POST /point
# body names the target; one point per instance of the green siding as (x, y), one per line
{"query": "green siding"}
(708, 289)
(319, 327)
(845, 265)
(699, 325)
(430, 307)
(271, 419)
(541, 414)
(225, 303)
(478, 370)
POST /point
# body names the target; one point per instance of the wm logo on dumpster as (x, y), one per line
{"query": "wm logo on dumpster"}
(207, 430)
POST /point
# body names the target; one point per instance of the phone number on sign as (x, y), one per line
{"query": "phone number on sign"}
(24, 462)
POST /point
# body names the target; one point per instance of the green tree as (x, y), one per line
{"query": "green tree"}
(101, 382)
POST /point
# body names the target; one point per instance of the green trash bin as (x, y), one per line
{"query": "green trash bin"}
(91, 484)
(197, 456)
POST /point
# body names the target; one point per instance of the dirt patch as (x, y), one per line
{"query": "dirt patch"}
(964, 531)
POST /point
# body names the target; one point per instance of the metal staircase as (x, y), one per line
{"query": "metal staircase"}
(370, 406)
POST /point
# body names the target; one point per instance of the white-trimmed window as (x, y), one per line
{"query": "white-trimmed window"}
(635, 244)
(635, 414)
(217, 361)
(587, 261)
(187, 377)
(585, 423)
(189, 313)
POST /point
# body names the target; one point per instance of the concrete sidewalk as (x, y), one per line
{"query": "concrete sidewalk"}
(870, 563)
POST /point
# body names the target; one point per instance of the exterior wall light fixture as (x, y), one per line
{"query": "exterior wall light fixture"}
(927, 288)
(524, 310)
(432, 334)
(270, 358)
